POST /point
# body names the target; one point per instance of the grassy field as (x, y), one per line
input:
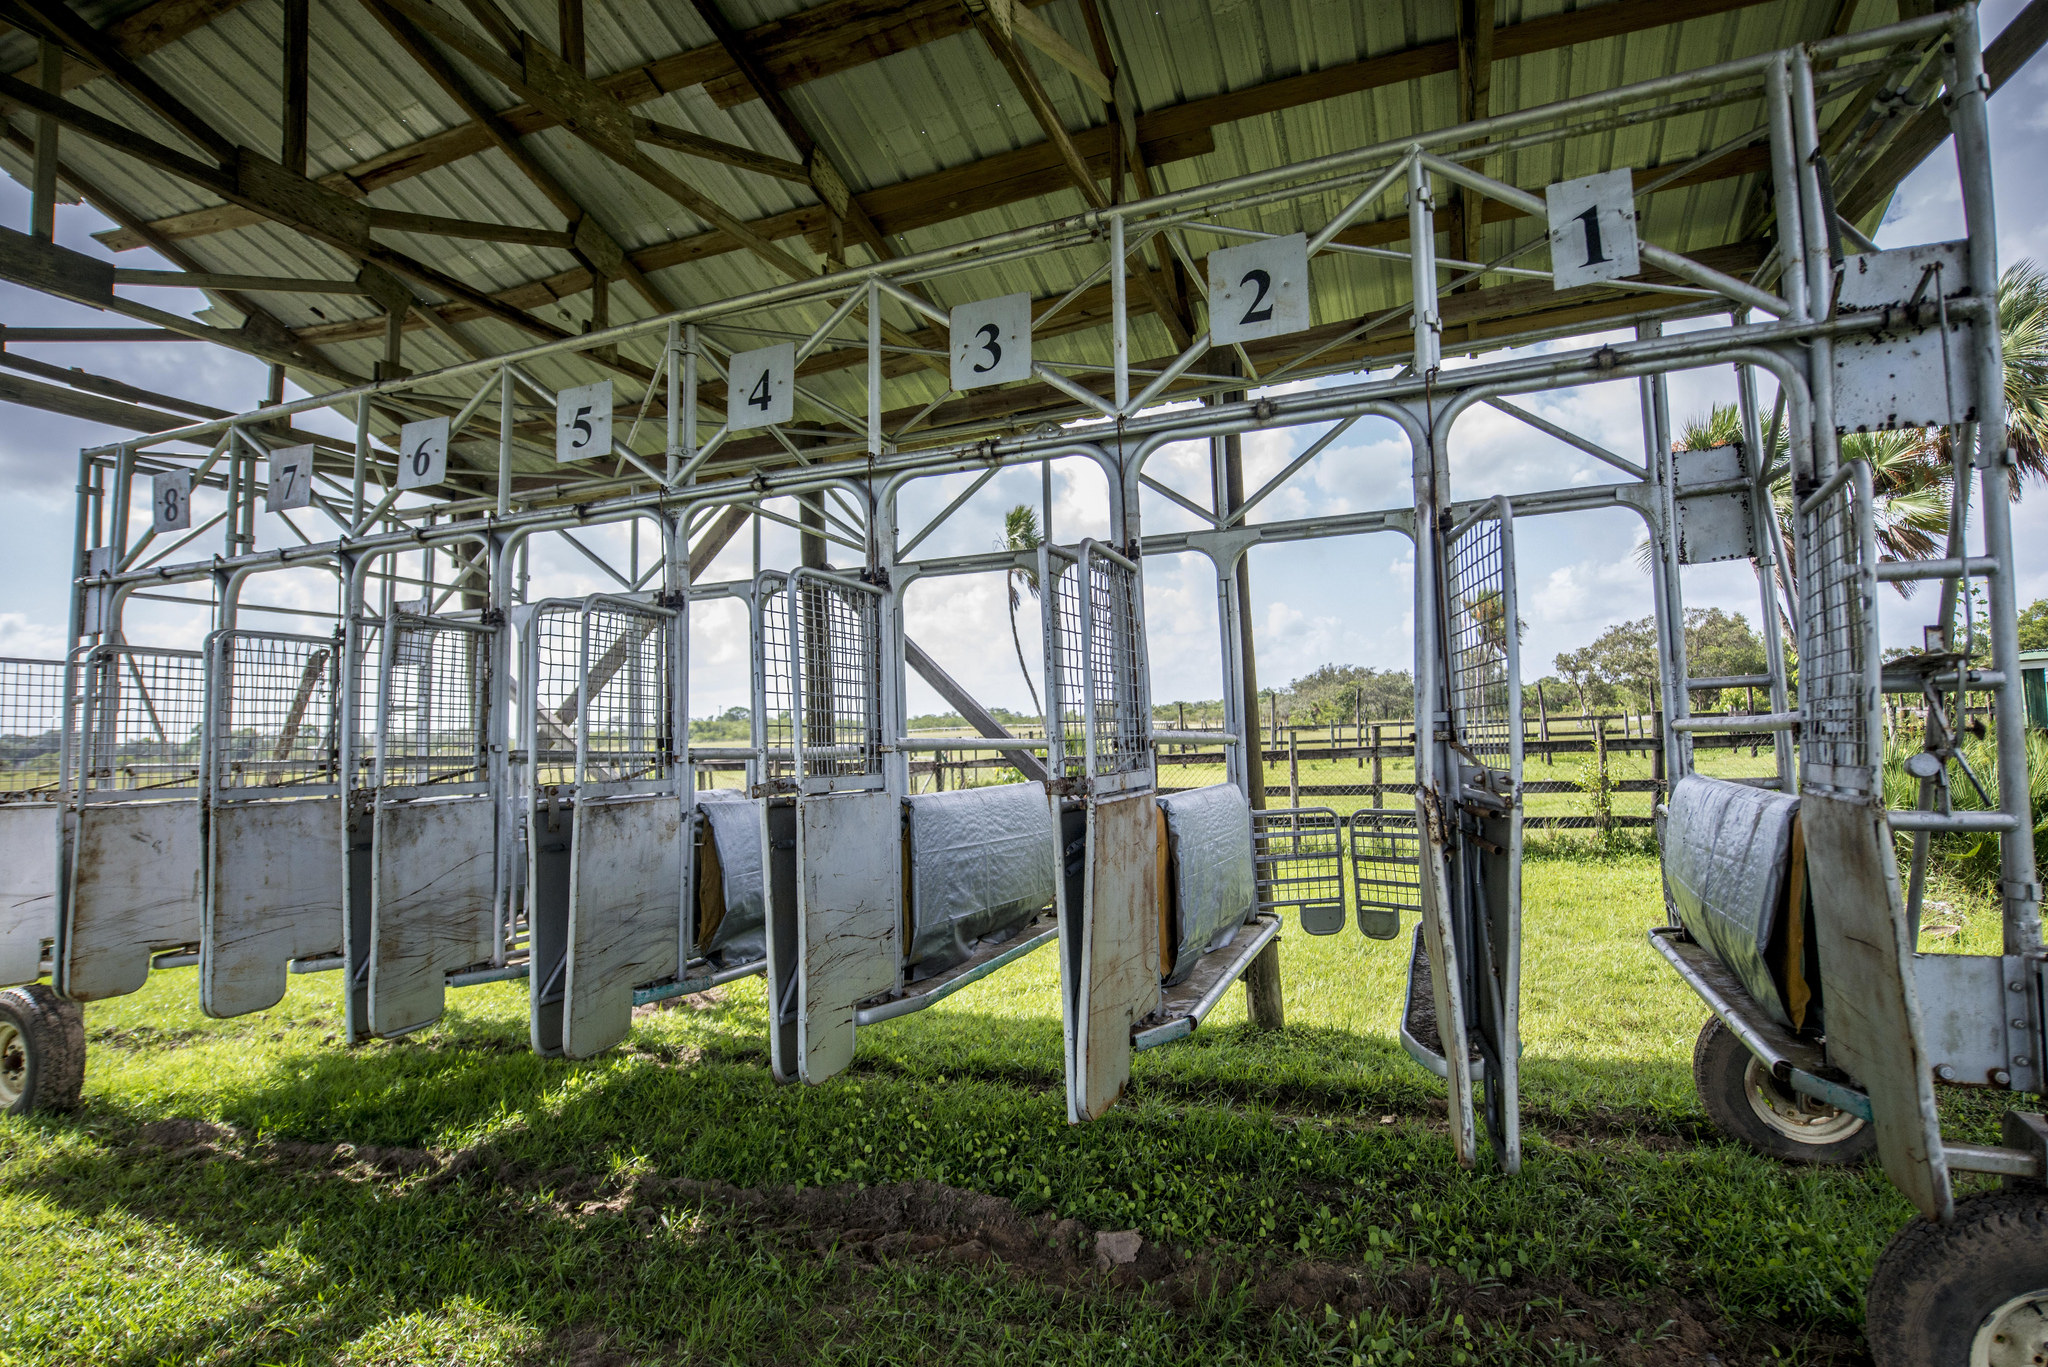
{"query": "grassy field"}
(249, 1192)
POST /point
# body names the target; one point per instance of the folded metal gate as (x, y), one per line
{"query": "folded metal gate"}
(421, 873)
(272, 815)
(608, 862)
(1099, 732)
(130, 880)
(835, 911)
(1464, 989)
(32, 722)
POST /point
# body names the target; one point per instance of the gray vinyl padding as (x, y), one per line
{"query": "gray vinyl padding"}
(735, 825)
(981, 864)
(1215, 883)
(1727, 852)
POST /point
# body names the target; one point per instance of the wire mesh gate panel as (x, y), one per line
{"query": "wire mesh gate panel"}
(848, 923)
(1864, 942)
(1097, 680)
(131, 880)
(272, 815)
(607, 856)
(432, 858)
(31, 729)
(1298, 853)
(1386, 869)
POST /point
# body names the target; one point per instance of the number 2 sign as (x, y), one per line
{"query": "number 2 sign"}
(170, 501)
(583, 422)
(422, 453)
(291, 479)
(1592, 229)
(991, 342)
(1258, 290)
(760, 387)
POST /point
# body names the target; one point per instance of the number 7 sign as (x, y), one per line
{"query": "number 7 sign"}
(1592, 229)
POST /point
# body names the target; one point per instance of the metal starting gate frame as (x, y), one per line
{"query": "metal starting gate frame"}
(1828, 347)
(31, 705)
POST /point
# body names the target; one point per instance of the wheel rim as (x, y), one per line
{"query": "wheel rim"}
(13, 1065)
(1799, 1118)
(2015, 1334)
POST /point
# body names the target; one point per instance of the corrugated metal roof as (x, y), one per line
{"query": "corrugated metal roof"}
(944, 104)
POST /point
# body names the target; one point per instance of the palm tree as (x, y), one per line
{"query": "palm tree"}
(1020, 533)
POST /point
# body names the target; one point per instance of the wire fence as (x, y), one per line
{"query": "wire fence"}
(31, 728)
(275, 711)
(140, 716)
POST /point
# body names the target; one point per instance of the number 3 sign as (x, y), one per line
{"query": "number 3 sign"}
(583, 422)
(1258, 290)
(422, 453)
(991, 342)
(1592, 229)
(760, 387)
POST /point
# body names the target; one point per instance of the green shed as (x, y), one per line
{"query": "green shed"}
(2034, 681)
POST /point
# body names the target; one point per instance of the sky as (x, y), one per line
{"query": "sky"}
(1345, 601)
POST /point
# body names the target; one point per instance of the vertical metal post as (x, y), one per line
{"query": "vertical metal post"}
(2021, 894)
(124, 492)
(690, 390)
(672, 359)
(1422, 268)
(42, 213)
(1120, 337)
(1669, 589)
(1785, 188)
(874, 369)
(506, 418)
(1764, 532)
(361, 471)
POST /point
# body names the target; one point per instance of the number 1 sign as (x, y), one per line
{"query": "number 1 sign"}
(1258, 290)
(583, 422)
(760, 387)
(991, 342)
(422, 453)
(1592, 229)
(291, 479)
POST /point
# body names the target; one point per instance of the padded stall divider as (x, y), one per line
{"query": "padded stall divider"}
(1215, 884)
(1727, 850)
(981, 863)
(733, 829)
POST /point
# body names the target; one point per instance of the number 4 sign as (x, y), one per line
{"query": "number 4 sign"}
(170, 501)
(422, 453)
(1258, 290)
(991, 342)
(291, 479)
(760, 387)
(1592, 229)
(583, 422)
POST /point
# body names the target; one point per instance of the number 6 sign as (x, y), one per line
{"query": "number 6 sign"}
(170, 501)
(991, 342)
(422, 453)
(760, 387)
(1592, 229)
(583, 422)
(1258, 290)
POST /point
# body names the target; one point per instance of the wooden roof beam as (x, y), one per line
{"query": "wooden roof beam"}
(145, 31)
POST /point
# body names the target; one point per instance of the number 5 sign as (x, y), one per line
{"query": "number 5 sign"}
(170, 501)
(422, 453)
(1592, 229)
(991, 342)
(760, 387)
(583, 422)
(1258, 290)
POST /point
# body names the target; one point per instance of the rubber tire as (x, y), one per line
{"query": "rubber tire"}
(1720, 1062)
(1935, 1284)
(53, 1035)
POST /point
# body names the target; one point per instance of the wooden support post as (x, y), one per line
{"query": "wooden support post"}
(297, 72)
(569, 17)
(42, 213)
(1263, 1004)
(1604, 814)
(1658, 773)
(1379, 777)
(1293, 768)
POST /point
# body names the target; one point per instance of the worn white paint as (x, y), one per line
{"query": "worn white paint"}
(28, 888)
(1448, 989)
(136, 887)
(849, 919)
(431, 905)
(625, 903)
(273, 894)
(1116, 962)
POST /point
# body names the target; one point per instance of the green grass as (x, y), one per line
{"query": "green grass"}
(1320, 1143)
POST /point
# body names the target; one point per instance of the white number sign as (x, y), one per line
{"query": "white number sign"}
(991, 342)
(583, 422)
(422, 453)
(760, 387)
(1258, 290)
(291, 479)
(1592, 229)
(170, 501)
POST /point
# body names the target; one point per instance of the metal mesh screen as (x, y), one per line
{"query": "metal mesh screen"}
(139, 727)
(434, 700)
(839, 679)
(1835, 701)
(1298, 854)
(274, 710)
(774, 682)
(31, 727)
(1386, 860)
(1475, 576)
(1100, 633)
(616, 656)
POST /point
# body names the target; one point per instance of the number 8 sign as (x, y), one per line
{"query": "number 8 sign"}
(422, 453)
(170, 501)
(1592, 229)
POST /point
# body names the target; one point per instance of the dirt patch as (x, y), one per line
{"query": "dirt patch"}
(709, 1000)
